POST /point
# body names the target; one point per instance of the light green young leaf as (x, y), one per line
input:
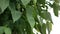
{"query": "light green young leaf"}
(7, 30)
(25, 2)
(4, 4)
(29, 11)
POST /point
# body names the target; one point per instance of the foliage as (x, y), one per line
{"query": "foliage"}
(21, 16)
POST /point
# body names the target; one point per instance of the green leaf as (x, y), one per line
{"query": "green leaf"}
(40, 28)
(1, 30)
(25, 2)
(4, 4)
(29, 11)
(7, 30)
(55, 8)
(44, 28)
(15, 14)
(46, 15)
(49, 26)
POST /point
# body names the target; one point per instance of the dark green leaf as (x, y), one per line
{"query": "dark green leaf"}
(44, 28)
(55, 8)
(29, 14)
(4, 4)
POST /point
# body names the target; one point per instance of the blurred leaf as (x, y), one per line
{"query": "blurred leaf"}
(29, 11)
(55, 8)
(4, 4)
(33, 14)
(7, 30)
(57, 1)
(46, 15)
(25, 2)
(44, 28)
(41, 21)
(49, 26)
(15, 14)
(1, 30)
(34, 1)
(38, 27)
